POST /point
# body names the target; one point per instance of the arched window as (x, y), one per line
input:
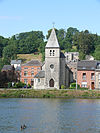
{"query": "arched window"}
(50, 52)
(53, 52)
(51, 83)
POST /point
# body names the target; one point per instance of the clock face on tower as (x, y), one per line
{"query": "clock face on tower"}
(51, 66)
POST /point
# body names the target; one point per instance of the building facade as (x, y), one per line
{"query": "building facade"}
(29, 70)
(72, 56)
(86, 74)
(55, 73)
(97, 76)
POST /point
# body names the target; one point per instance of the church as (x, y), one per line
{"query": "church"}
(55, 72)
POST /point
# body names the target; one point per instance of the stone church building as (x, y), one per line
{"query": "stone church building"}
(54, 72)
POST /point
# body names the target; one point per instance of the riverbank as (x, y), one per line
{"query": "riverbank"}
(31, 93)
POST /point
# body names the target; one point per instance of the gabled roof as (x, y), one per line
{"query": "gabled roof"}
(87, 65)
(15, 61)
(52, 41)
(40, 74)
(7, 67)
(33, 63)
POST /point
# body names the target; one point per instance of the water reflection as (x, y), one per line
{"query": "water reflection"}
(50, 115)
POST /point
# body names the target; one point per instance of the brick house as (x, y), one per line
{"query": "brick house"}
(97, 76)
(29, 70)
(86, 74)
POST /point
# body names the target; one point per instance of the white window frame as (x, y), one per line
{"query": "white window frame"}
(99, 76)
(92, 76)
(39, 80)
(25, 81)
(25, 73)
(99, 85)
(84, 76)
(84, 84)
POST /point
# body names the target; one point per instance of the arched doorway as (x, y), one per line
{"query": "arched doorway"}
(51, 83)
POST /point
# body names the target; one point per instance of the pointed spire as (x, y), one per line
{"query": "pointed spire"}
(52, 41)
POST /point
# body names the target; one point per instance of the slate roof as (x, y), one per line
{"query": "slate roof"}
(52, 41)
(33, 63)
(87, 65)
(62, 55)
(15, 61)
(7, 67)
(40, 74)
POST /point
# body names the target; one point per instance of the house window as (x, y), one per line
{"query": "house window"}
(53, 52)
(25, 81)
(32, 73)
(38, 80)
(99, 85)
(32, 68)
(99, 76)
(84, 76)
(84, 84)
(50, 52)
(25, 68)
(92, 76)
(25, 73)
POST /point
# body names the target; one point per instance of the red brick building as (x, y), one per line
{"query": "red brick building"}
(29, 70)
(86, 74)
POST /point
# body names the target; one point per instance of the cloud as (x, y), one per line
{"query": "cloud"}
(10, 18)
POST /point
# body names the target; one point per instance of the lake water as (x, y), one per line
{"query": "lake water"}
(50, 115)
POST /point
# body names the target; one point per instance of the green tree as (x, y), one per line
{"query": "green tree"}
(97, 53)
(9, 52)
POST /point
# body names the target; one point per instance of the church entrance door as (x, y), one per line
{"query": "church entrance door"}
(51, 83)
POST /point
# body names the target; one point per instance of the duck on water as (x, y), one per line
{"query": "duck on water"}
(23, 127)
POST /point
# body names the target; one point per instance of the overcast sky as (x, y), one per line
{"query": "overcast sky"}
(18, 16)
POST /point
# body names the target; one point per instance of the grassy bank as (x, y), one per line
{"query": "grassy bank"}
(30, 93)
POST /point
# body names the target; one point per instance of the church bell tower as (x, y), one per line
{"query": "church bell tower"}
(52, 62)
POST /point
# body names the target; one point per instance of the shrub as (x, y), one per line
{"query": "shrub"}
(83, 88)
(73, 86)
(29, 86)
(19, 85)
(9, 85)
(4, 95)
(63, 87)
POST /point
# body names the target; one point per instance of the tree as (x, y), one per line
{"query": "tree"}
(69, 39)
(9, 52)
(85, 43)
(97, 53)
(3, 43)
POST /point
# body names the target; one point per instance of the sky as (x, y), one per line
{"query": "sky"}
(17, 16)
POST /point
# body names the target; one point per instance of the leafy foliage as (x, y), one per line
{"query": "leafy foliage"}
(71, 40)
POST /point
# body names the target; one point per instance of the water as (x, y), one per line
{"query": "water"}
(50, 115)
